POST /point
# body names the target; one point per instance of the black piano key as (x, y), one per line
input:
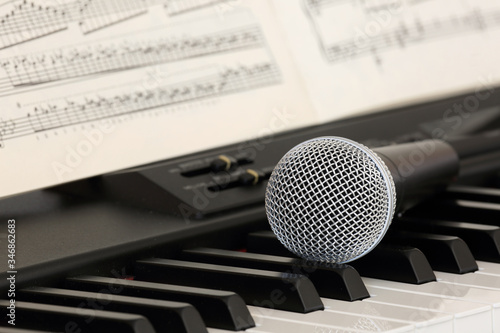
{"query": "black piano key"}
(282, 291)
(333, 281)
(445, 253)
(163, 315)
(265, 242)
(56, 318)
(219, 309)
(395, 263)
(21, 330)
(482, 194)
(482, 240)
(407, 265)
(459, 210)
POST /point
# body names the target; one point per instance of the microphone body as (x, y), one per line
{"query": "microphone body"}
(331, 199)
(419, 169)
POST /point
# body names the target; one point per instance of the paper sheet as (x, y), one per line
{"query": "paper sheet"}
(89, 87)
(94, 86)
(361, 56)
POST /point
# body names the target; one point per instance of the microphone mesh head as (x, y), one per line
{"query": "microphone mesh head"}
(330, 199)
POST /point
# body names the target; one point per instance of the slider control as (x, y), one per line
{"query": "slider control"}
(222, 163)
(250, 177)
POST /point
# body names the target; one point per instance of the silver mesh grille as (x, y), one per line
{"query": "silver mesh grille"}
(330, 199)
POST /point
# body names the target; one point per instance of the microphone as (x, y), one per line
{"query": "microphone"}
(331, 199)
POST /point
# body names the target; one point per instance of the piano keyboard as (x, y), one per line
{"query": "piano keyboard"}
(194, 253)
(256, 287)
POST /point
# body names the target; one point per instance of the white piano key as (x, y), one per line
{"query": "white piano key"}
(424, 320)
(448, 290)
(271, 325)
(271, 320)
(490, 268)
(467, 316)
(471, 279)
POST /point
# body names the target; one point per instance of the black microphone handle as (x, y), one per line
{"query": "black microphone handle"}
(419, 169)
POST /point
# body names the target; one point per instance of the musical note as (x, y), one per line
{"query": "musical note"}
(124, 53)
(398, 34)
(316, 6)
(176, 7)
(93, 15)
(55, 114)
(7, 127)
(25, 20)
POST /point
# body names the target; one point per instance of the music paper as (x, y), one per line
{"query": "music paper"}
(89, 87)
(93, 86)
(359, 56)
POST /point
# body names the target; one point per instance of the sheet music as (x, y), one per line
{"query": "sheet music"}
(93, 86)
(23, 21)
(358, 56)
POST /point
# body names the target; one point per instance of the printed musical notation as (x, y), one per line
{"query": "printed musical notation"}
(410, 33)
(371, 36)
(54, 114)
(318, 6)
(25, 20)
(174, 78)
(176, 7)
(121, 54)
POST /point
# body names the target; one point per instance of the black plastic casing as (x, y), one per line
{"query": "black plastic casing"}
(419, 169)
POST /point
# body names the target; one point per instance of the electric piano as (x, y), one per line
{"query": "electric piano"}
(183, 245)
